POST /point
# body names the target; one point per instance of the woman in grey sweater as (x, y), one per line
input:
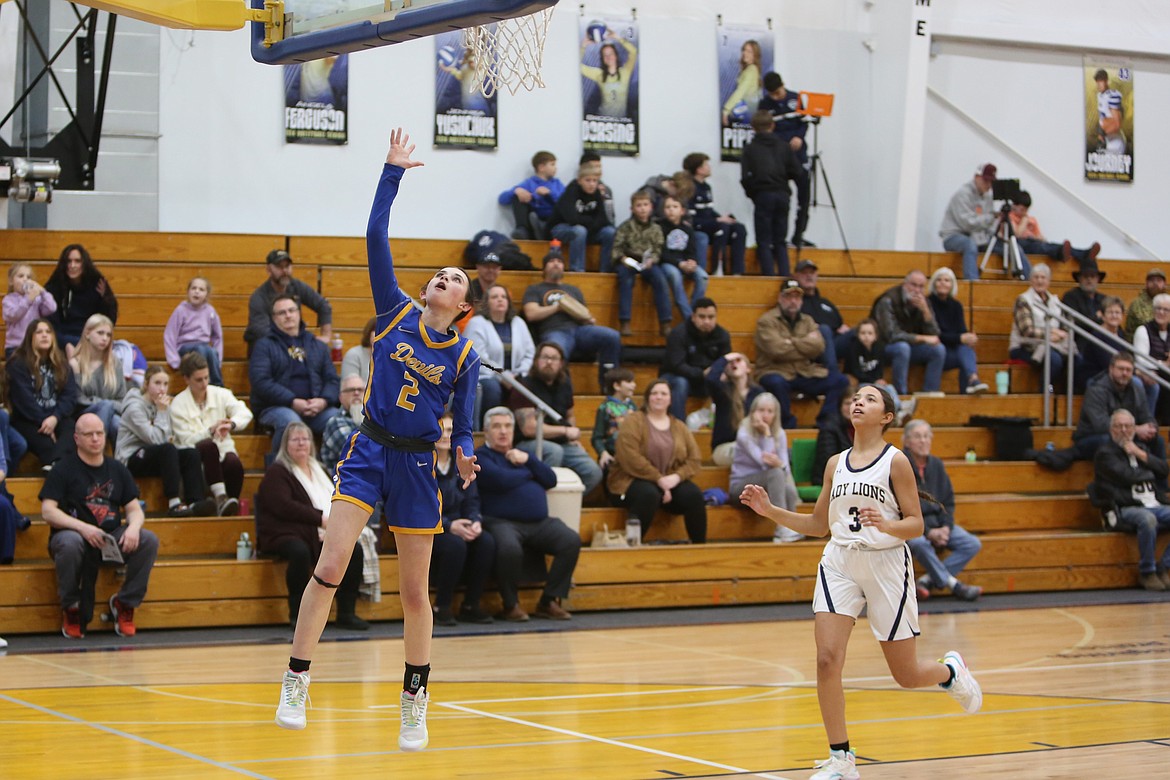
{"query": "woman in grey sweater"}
(145, 444)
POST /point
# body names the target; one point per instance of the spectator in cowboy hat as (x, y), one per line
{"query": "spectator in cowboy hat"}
(1085, 299)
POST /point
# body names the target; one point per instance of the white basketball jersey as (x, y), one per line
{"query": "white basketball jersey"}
(855, 488)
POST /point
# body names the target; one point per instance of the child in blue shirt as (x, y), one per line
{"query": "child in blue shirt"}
(533, 199)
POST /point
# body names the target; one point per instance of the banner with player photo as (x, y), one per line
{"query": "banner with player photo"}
(1109, 148)
(464, 118)
(316, 101)
(609, 86)
(745, 55)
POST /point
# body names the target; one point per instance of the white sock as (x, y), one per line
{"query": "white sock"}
(218, 490)
(952, 581)
(173, 502)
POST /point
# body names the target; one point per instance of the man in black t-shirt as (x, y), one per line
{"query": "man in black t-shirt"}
(549, 381)
(83, 501)
(579, 337)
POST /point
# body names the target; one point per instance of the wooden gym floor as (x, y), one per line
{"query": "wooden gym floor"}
(1077, 692)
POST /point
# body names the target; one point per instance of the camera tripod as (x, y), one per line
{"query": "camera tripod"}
(816, 165)
(1013, 264)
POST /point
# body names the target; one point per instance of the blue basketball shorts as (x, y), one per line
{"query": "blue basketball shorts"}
(405, 481)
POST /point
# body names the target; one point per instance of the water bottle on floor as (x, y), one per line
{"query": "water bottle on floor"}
(633, 532)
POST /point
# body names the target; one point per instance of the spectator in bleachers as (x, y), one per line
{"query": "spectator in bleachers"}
(1129, 487)
(1035, 309)
(465, 552)
(43, 393)
(1106, 394)
(1153, 341)
(146, 445)
(766, 167)
(84, 498)
(865, 362)
(100, 382)
(533, 199)
(26, 301)
(204, 416)
(292, 511)
(502, 340)
(783, 103)
(11, 441)
(1141, 310)
(691, 348)
(712, 229)
(11, 520)
(678, 256)
(550, 382)
(593, 158)
(788, 346)
(80, 291)
(952, 331)
(732, 390)
(551, 318)
(761, 458)
(970, 220)
(280, 282)
(1032, 241)
(906, 325)
(487, 271)
(639, 239)
(654, 465)
(356, 361)
(834, 435)
(1112, 318)
(1085, 299)
(292, 375)
(941, 532)
(194, 326)
(514, 502)
(619, 393)
(340, 428)
(832, 325)
(580, 218)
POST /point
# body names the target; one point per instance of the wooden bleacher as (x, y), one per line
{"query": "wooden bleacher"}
(1039, 531)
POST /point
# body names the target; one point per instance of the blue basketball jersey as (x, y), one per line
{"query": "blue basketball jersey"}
(414, 371)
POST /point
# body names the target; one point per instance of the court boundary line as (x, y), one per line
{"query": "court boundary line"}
(606, 741)
(133, 738)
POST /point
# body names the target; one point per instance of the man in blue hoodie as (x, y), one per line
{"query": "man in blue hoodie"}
(292, 375)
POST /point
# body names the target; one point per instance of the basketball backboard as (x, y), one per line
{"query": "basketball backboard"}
(320, 28)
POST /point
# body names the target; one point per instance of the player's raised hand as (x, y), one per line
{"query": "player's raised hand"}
(400, 150)
(756, 498)
(466, 465)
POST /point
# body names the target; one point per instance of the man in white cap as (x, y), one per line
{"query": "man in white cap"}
(970, 220)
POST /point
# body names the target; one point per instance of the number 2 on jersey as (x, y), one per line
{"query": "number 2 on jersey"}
(854, 512)
(408, 389)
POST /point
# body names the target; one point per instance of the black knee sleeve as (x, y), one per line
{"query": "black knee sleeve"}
(324, 584)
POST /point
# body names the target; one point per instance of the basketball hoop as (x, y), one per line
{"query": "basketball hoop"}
(509, 52)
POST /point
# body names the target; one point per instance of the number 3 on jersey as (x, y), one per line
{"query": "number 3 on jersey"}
(408, 389)
(854, 512)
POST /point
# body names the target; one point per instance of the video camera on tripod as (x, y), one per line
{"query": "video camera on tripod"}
(1008, 191)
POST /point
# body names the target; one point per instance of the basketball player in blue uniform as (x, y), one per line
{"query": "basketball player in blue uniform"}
(870, 507)
(418, 363)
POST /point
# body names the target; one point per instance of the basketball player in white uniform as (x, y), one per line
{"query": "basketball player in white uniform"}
(870, 507)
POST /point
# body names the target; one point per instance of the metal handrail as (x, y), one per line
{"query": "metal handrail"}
(1080, 325)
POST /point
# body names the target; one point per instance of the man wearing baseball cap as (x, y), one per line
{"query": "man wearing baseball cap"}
(970, 220)
(833, 327)
(487, 271)
(1141, 310)
(281, 282)
(788, 346)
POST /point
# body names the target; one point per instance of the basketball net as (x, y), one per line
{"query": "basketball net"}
(508, 53)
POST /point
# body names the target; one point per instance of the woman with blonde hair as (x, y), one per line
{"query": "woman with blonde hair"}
(761, 458)
(100, 379)
(747, 84)
(952, 330)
